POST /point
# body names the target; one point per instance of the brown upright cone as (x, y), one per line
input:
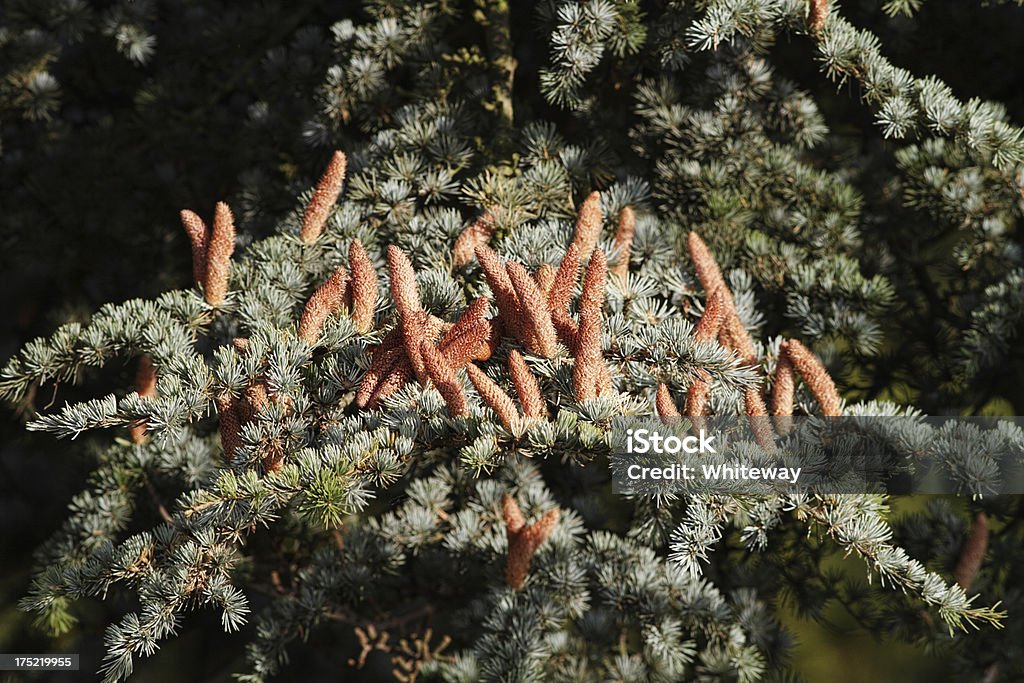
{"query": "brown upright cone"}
(324, 197)
(385, 356)
(218, 255)
(230, 426)
(816, 376)
(758, 411)
(664, 403)
(587, 371)
(711, 320)
(325, 300)
(199, 238)
(973, 552)
(534, 311)
(783, 389)
(566, 277)
(527, 386)
(494, 396)
(817, 15)
(732, 332)
(588, 224)
(546, 279)
(697, 397)
(363, 287)
(504, 293)
(443, 376)
(523, 541)
(624, 242)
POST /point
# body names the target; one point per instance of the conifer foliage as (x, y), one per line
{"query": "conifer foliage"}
(402, 399)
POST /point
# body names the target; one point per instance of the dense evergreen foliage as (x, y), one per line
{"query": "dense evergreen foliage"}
(383, 411)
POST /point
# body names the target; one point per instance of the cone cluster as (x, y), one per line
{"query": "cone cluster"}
(211, 251)
(721, 319)
(355, 290)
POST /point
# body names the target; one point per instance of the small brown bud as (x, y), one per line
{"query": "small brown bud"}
(476, 234)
